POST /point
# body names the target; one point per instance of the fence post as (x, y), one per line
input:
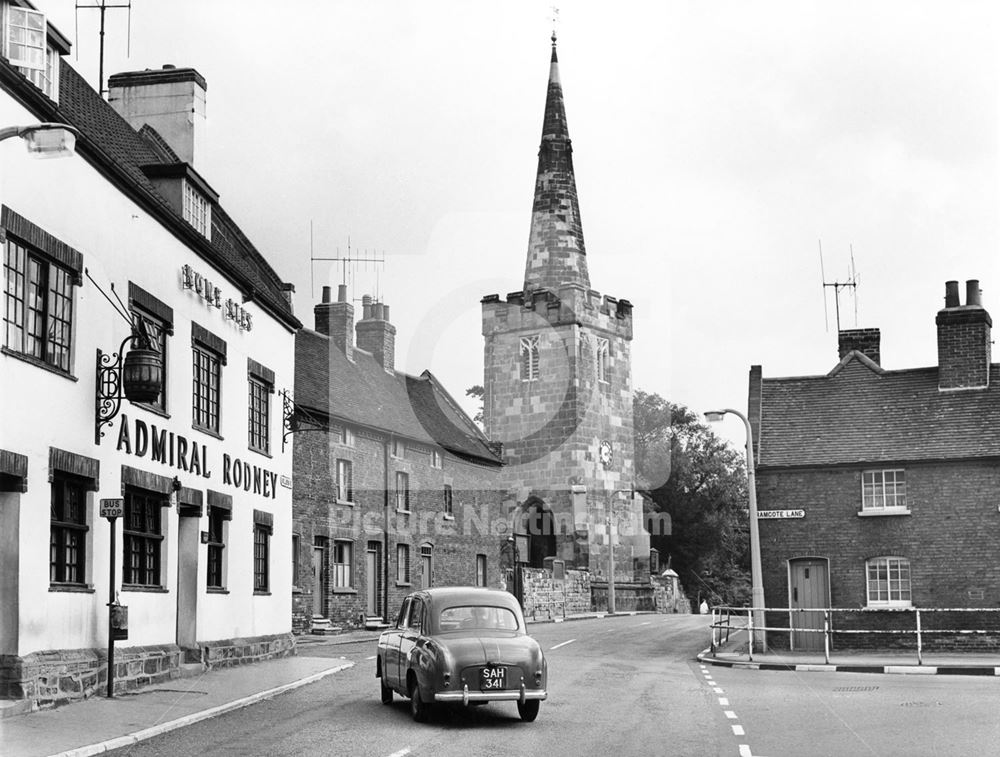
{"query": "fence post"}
(826, 636)
(713, 630)
(920, 650)
(750, 633)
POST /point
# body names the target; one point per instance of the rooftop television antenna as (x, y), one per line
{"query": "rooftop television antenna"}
(349, 264)
(838, 286)
(103, 6)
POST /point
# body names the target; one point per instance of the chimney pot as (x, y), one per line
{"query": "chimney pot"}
(973, 295)
(378, 315)
(326, 294)
(385, 312)
(342, 293)
(366, 307)
(951, 294)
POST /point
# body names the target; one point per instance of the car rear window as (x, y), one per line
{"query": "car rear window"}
(477, 617)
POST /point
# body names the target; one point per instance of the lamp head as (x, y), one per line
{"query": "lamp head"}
(56, 142)
(714, 416)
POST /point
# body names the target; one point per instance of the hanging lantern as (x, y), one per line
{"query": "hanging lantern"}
(142, 375)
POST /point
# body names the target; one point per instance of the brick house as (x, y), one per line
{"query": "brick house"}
(878, 488)
(395, 487)
(558, 384)
(129, 224)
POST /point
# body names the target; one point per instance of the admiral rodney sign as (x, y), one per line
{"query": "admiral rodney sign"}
(177, 451)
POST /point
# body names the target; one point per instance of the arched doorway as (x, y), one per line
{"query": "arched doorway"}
(537, 522)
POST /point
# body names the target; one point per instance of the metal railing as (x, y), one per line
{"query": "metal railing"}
(726, 620)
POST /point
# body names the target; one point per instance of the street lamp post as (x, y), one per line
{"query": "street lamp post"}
(44, 140)
(756, 574)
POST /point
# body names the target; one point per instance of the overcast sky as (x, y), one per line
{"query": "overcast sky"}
(716, 145)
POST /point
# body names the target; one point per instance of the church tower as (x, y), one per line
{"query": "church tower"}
(558, 382)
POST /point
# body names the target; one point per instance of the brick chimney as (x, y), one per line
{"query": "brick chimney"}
(375, 334)
(963, 337)
(171, 100)
(865, 341)
(336, 319)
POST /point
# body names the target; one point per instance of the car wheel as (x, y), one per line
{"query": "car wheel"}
(386, 692)
(529, 710)
(419, 709)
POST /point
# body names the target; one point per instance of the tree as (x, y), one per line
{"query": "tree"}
(700, 481)
(478, 392)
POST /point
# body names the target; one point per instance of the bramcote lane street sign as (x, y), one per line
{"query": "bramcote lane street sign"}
(778, 514)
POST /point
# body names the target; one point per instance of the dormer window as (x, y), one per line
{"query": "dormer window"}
(26, 47)
(197, 211)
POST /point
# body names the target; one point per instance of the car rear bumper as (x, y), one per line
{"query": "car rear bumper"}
(467, 695)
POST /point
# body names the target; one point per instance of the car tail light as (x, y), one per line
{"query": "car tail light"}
(447, 679)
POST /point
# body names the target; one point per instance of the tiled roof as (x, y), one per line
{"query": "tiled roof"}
(108, 140)
(860, 413)
(361, 392)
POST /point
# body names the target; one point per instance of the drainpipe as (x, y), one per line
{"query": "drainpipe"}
(385, 531)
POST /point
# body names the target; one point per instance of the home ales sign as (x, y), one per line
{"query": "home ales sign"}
(177, 451)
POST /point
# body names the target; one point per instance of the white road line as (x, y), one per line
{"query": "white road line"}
(731, 715)
(562, 645)
(718, 690)
(646, 623)
(401, 753)
(710, 682)
(371, 658)
(723, 702)
(738, 730)
(745, 750)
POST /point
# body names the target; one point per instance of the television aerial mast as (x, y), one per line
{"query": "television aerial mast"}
(838, 286)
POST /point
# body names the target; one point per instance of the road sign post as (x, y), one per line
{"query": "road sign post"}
(112, 509)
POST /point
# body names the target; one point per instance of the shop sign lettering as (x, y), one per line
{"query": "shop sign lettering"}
(207, 290)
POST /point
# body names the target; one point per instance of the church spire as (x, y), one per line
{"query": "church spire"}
(556, 253)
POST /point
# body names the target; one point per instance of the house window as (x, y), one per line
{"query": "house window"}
(448, 500)
(603, 361)
(402, 491)
(529, 358)
(38, 306)
(436, 459)
(398, 448)
(295, 559)
(26, 48)
(261, 385)
(143, 542)
(197, 211)
(402, 563)
(68, 532)
(480, 570)
(888, 581)
(158, 320)
(345, 485)
(426, 553)
(342, 562)
(883, 489)
(217, 517)
(209, 353)
(346, 436)
(262, 528)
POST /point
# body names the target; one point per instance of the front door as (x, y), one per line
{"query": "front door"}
(809, 589)
(373, 576)
(319, 578)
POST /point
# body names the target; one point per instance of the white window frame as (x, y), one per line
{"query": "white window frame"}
(402, 492)
(883, 492)
(437, 459)
(11, 24)
(889, 562)
(343, 571)
(346, 436)
(481, 575)
(529, 354)
(197, 210)
(345, 483)
(603, 360)
(403, 564)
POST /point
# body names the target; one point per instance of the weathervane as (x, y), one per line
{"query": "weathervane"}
(555, 21)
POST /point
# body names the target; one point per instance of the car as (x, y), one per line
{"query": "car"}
(464, 645)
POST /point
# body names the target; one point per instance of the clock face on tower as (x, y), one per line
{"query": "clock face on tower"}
(605, 454)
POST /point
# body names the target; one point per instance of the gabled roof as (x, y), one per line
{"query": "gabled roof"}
(862, 413)
(363, 393)
(120, 152)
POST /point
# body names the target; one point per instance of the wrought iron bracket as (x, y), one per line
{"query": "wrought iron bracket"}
(109, 388)
(295, 418)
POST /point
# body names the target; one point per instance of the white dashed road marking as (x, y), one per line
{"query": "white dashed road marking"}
(723, 702)
(371, 658)
(738, 730)
(401, 752)
(562, 645)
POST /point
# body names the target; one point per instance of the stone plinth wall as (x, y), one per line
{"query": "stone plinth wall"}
(668, 596)
(231, 652)
(549, 598)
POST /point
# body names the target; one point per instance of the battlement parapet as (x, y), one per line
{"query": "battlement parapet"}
(572, 304)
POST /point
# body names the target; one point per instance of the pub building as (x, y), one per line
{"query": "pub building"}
(146, 344)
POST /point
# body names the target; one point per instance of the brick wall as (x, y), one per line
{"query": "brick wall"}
(478, 524)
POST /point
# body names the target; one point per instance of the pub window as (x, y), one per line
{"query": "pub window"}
(68, 531)
(529, 358)
(38, 305)
(218, 527)
(603, 360)
(143, 542)
(402, 563)
(25, 46)
(402, 492)
(261, 384)
(342, 563)
(480, 570)
(209, 355)
(197, 210)
(345, 483)
(448, 500)
(158, 320)
(262, 528)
